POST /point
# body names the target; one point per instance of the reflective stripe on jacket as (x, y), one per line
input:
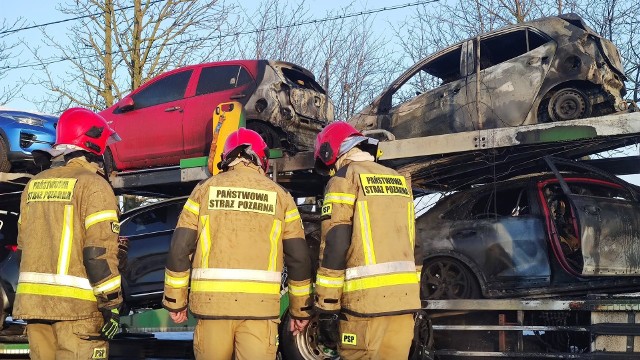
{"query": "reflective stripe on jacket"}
(235, 233)
(68, 235)
(368, 237)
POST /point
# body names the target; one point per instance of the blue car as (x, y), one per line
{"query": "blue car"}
(22, 132)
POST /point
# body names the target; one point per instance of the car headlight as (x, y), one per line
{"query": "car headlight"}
(28, 121)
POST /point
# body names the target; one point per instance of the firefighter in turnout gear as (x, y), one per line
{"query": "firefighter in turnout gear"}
(235, 233)
(69, 285)
(367, 270)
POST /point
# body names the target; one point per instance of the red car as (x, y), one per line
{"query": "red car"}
(170, 117)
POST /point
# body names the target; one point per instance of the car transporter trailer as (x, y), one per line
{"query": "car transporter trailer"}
(586, 327)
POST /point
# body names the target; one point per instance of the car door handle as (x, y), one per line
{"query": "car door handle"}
(173, 108)
(237, 96)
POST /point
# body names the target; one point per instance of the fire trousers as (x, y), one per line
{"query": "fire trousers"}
(247, 339)
(66, 339)
(376, 338)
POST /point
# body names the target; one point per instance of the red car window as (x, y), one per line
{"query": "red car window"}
(167, 89)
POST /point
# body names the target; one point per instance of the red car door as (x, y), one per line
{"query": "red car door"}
(152, 133)
(216, 84)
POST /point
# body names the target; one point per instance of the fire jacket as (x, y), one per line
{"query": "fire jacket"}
(68, 238)
(232, 234)
(367, 263)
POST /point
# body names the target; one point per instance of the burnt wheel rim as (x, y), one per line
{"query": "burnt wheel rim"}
(446, 279)
(568, 105)
(308, 345)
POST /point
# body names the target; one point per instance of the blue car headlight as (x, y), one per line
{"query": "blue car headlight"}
(27, 120)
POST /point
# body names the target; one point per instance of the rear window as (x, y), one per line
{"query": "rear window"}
(497, 49)
(301, 80)
(219, 78)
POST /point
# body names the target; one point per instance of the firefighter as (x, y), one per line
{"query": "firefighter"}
(229, 245)
(367, 272)
(69, 284)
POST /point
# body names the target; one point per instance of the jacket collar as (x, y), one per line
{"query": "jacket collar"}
(246, 167)
(82, 162)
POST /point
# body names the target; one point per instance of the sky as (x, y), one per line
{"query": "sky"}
(44, 11)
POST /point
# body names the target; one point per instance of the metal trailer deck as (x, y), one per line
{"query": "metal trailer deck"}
(433, 162)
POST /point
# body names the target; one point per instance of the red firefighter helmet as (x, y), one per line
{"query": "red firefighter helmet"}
(328, 142)
(82, 129)
(245, 141)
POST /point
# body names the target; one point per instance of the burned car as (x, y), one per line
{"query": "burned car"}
(550, 69)
(282, 102)
(547, 234)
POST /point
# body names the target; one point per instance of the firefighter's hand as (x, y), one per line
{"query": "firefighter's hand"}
(297, 326)
(178, 317)
(111, 323)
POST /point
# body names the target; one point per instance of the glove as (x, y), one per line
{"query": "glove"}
(328, 331)
(111, 323)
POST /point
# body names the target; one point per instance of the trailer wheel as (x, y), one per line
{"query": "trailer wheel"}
(303, 346)
(447, 278)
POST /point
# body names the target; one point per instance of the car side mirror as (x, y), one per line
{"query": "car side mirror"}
(126, 104)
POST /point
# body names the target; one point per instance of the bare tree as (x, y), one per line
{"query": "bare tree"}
(617, 20)
(117, 45)
(8, 61)
(358, 61)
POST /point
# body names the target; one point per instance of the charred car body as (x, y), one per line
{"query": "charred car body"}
(282, 102)
(542, 235)
(549, 69)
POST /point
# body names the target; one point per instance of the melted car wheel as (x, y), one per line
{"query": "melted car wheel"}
(445, 278)
(569, 104)
(268, 134)
(304, 346)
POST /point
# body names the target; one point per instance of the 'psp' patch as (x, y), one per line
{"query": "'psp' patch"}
(115, 227)
(326, 210)
(99, 353)
(349, 339)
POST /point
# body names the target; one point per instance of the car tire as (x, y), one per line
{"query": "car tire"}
(3, 314)
(444, 278)
(109, 163)
(5, 164)
(268, 133)
(569, 104)
(302, 346)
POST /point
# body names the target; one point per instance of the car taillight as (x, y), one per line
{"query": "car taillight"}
(11, 247)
